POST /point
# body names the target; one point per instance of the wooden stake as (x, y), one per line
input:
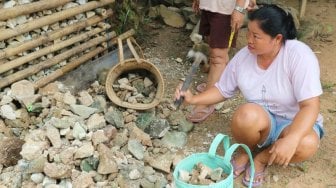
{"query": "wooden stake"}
(48, 37)
(44, 51)
(47, 20)
(7, 13)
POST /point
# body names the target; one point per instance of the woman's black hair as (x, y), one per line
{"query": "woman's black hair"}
(274, 20)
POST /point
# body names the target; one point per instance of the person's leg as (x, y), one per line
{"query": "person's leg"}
(217, 28)
(218, 60)
(251, 125)
(306, 149)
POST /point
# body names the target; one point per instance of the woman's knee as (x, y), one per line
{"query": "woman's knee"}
(250, 116)
(219, 57)
(307, 147)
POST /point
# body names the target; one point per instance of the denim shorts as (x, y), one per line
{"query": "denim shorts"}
(278, 124)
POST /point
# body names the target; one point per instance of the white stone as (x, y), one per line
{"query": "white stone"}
(89, 14)
(85, 98)
(21, 20)
(134, 174)
(6, 99)
(81, 2)
(69, 5)
(22, 89)
(123, 81)
(8, 112)
(68, 98)
(147, 82)
(9, 4)
(11, 23)
(24, 1)
(37, 178)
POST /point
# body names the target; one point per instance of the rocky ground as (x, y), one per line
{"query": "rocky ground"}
(81, 139)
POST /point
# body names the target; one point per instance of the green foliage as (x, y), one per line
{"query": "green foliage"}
(328, 86)
(130, 14)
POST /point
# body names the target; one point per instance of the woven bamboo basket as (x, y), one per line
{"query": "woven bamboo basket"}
(135, 64)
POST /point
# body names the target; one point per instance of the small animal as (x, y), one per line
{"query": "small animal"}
(199, 52)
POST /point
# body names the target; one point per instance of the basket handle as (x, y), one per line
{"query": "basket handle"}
(131, 47)
(228, 156)
(214, 145)
(121, 51)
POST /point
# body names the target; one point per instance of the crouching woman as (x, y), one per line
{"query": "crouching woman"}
(280, 79)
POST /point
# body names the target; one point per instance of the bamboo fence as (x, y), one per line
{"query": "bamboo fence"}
(73, 43)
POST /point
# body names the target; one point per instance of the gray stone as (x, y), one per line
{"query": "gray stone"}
(157, 128)
(171, 18)
(144, 119)
(175, 139)
(79, 131)
(36, 165)
(99, 103)
(161, 162)
(54, 136)
(135, 174)
(89, 164)
(146, 183)
(58, 123)
(83, 111)
(136, 149)
(115, 117)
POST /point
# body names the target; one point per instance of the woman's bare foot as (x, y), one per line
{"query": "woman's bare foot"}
(259, 173)
(239, 163)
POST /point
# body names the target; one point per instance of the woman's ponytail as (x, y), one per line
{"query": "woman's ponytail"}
(290, 28)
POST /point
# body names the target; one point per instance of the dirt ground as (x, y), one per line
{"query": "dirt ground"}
(167, 44)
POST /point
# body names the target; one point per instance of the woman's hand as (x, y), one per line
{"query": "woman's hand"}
(252, 5)
(186, 94)
(195, 6)
(237, 20)
(283, 150)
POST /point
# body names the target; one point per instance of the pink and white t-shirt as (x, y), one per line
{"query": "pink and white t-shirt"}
(293, 76)
(220, 6)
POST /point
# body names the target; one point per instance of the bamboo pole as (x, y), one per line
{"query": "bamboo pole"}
(72, 65)
(48, 37)
(47, 20)
(303, 8)
(53, 61)
(44, 51)
(7, 13)
(67, 68)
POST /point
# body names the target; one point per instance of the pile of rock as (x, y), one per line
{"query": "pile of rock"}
(135, 88)
(81, 140)
(201, 174)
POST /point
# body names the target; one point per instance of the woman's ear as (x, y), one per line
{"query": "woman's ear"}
(278, 38)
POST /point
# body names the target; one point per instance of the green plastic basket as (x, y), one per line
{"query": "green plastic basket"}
(213, 161)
